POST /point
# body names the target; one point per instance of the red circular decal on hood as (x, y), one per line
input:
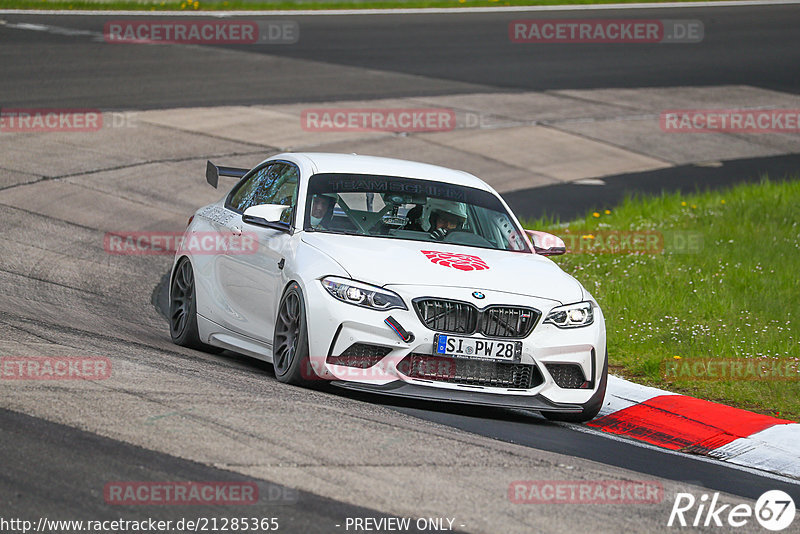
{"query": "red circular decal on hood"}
(462, 262)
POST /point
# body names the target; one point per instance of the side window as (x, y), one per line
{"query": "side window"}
(274, 183)
(241, 198)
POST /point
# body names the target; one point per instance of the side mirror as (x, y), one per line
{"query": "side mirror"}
(546, 244)
(266, 215)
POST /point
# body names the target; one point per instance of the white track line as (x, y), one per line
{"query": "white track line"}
(401, 11)
(57, 30)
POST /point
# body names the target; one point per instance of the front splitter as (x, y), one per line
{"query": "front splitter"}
(479, 398)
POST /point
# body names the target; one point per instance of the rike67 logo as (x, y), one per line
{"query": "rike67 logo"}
(462, 262)
(774, 510)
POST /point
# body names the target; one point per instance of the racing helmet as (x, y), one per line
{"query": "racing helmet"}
(439, 208)
(333, 198)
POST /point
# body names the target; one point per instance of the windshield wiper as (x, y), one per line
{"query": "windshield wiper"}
(327, 231)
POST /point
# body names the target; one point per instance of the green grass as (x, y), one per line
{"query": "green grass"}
(217, 5)
(735, 298)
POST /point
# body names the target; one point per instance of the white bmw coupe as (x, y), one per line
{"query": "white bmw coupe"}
(392, 277)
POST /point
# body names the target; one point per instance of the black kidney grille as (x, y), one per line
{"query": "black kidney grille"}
(447, 315)
(463, 318)
(473, 372)
(506, 321)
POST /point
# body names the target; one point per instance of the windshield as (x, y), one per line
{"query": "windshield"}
(409, 209)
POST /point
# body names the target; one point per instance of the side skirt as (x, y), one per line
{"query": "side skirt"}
(219, 336)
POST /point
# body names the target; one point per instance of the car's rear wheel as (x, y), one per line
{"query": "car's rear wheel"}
(183, 309)
(290, 342)
(591, 408)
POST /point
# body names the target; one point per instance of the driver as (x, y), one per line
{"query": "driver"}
(322, 209)
(446, 216)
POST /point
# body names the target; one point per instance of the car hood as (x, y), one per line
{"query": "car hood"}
(382, 262)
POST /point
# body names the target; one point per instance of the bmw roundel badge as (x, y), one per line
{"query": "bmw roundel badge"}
(478, 295)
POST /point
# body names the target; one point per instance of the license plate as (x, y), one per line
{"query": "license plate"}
(470, 347)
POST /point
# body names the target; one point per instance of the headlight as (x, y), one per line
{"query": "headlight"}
(571, 315)
(364, 295)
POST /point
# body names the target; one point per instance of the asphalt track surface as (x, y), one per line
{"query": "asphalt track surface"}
(410, 55)
(73, 466)
(757, 46)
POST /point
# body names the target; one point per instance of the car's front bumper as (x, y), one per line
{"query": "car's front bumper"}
(334, 326)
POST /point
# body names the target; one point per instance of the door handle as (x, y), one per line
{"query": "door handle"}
(236, 230)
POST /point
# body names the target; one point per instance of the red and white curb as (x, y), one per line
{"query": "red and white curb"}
(697, 426)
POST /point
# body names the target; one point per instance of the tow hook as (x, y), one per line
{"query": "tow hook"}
(404, 334)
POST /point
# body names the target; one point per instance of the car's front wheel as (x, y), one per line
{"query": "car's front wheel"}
(591, 408)
(290, 342)
(183, 309)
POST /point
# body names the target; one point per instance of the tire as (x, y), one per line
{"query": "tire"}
(290, 342)
(183, 310)
(590, 409)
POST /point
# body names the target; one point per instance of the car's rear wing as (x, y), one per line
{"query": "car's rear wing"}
(213, 173)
